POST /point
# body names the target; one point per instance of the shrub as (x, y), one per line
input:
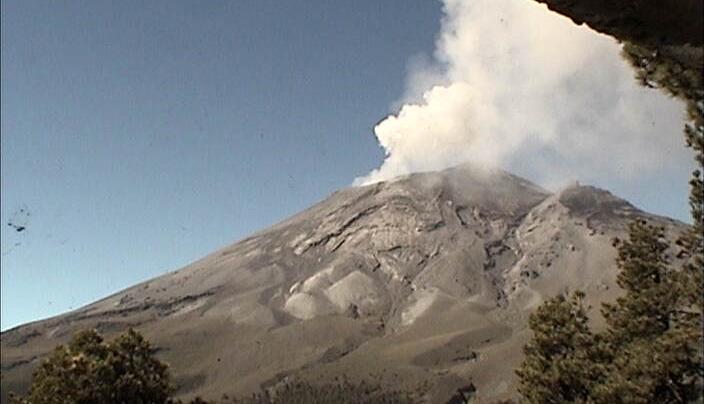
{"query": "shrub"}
(90, 370)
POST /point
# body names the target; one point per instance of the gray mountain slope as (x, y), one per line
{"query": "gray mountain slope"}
(423, 283)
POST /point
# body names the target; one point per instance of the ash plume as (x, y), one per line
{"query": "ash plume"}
(515, 86)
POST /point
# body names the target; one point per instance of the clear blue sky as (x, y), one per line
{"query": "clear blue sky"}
(139, 136)
(142, 135)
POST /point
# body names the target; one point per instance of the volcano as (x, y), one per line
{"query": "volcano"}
(423, 283)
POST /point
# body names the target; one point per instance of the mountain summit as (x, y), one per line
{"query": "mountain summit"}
(423, 283)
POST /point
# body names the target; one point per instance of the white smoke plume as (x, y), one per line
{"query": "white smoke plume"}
(515, 86)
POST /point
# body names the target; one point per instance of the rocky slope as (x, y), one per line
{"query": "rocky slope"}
(423, 283)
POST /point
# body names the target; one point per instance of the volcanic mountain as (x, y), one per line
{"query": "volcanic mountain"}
(423, 283)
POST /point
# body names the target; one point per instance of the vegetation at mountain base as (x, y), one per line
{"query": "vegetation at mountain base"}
(342, 393)
(557, 366)
(90, 370)
(651, 351)
(654, 331)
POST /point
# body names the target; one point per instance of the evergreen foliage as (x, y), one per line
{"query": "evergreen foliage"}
(89, 370)
(693, 241)
(656, 70)
(299, 392)
(647, 309)
(650, 341)
(558, 366)
(650, 351)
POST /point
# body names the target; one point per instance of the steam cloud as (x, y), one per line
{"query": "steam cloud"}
(515, 86)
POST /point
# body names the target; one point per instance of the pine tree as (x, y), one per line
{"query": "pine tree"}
(654, 69)
(649, 305)
(559, 365)
(692, 242)
(650, 352)
(650, 343)
(658, 370)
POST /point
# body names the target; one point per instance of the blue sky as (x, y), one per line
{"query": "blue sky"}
(139, 136)
(142, 135)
